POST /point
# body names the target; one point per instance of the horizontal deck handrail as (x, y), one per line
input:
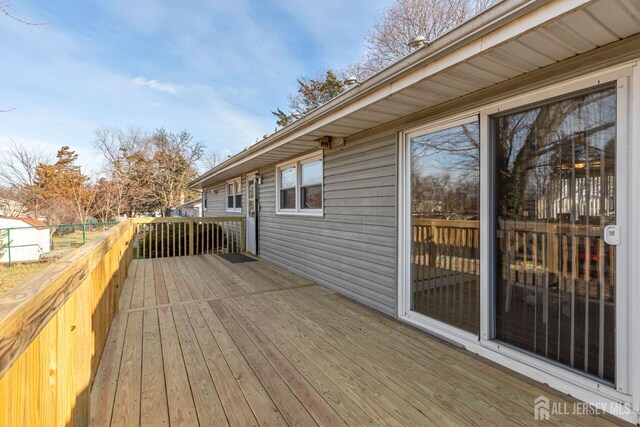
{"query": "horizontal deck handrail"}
(53, 328)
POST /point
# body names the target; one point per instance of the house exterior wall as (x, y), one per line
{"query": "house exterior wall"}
(344, 250)
(352, 249)
(216, 201)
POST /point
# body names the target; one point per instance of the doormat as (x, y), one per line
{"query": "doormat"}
(236, 258)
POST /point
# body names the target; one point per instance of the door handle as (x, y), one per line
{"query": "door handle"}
(612, 235)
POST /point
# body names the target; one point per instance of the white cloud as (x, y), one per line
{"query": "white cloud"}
(156, 85)
(226, 65)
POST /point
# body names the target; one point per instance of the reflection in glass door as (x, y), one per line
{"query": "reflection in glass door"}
(555, 194)
(445, 202)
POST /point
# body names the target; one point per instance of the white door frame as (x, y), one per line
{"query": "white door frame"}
(252, 176)
(628, 153)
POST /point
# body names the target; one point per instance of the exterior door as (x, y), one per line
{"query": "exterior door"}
(555, 215)
(252, 215)
(445, 204)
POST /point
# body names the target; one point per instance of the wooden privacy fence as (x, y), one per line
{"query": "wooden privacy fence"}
(53, 328)
(165, 237)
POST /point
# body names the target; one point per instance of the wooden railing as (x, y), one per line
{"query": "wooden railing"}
(447, 244)
(166, 237)
(576, 254)
(53, 328)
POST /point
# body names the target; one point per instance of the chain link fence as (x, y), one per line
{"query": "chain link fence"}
(36, 243)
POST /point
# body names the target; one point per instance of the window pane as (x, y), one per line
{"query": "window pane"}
(445, 202)
(311, 197)
(230, 188)
(555, 192)
(230, 202)
(238, 201)
(238, 187)
(312, 173)
(288, 177)
(288, 198)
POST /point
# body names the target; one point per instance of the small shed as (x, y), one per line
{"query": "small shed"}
(29, 238)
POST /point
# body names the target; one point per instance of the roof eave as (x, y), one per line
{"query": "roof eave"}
(473, 29)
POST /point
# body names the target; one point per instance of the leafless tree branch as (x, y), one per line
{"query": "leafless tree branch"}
(8, 10)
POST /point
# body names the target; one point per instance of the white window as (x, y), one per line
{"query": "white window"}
(299, 186)
(234, 195)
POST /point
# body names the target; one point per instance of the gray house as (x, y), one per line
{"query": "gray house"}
(483, 189)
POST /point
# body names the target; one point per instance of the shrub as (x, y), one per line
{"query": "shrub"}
(164, 240)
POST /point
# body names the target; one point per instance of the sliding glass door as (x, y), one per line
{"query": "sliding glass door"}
(445, 202)
(554, 191)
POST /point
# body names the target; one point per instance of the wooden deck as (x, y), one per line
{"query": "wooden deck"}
(202, 341)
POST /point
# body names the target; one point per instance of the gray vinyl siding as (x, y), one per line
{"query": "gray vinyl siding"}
(217, 203)
(352, 250)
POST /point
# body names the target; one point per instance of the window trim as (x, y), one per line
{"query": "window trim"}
(226, 191)
(297, 164)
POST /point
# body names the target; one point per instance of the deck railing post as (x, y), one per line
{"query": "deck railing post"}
(242, 240)
(9, 245)
(191, 236)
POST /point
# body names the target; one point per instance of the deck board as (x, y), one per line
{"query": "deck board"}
(127, 399)
(201, 341)
(153, 402)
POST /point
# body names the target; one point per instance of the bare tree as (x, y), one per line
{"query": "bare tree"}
(211, 159)
(10, 204)
(7, 9)
(84, 199)
(148, 172)
(386, 43)
(119, 148)
(175, 158)
(404, 20)
(18, 165)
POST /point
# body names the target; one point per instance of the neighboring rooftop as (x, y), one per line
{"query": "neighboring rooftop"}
(29, 221)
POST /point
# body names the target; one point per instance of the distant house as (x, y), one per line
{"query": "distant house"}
(29, 238)
(9, 207)
(483, 189)
(192, 209)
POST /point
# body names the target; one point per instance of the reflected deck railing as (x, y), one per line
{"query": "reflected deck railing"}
(54, 326)
(575, 255)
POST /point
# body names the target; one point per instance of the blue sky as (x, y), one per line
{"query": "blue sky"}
(215, 68)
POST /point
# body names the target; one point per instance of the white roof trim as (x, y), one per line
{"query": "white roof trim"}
(491, 28)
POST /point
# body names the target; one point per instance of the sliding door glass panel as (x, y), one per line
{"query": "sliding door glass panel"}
(445, 202)
(555, 193)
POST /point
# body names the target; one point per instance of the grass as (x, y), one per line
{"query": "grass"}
(73, 240)
(11, 277)
(19, 272)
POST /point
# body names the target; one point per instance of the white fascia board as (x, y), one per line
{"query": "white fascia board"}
(440, 55)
